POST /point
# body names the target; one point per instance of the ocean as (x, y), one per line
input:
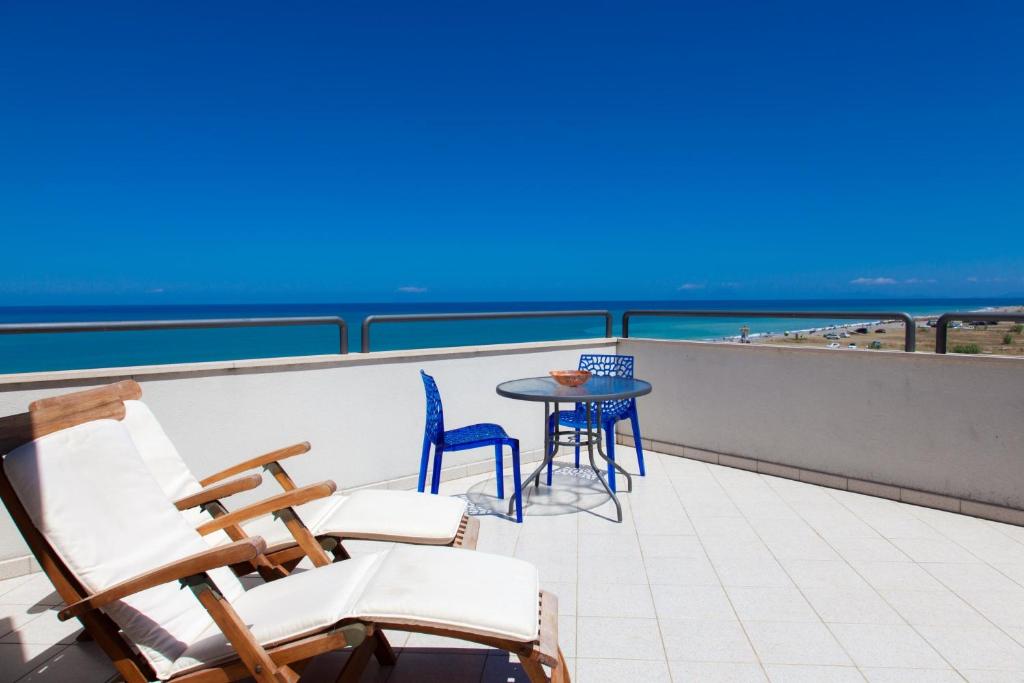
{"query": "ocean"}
(42, 352)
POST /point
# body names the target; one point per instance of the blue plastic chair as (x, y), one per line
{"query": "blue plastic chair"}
(462, 439)
(602, 365)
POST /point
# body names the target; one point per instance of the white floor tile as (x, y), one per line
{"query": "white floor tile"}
(706, 641)
(886, 645)
(716, 672)
(617, 638)
(795, 643)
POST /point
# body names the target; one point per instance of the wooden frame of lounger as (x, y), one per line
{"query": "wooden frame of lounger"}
(229, 481)
(282, 663)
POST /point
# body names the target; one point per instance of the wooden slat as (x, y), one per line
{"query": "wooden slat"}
(272, 504)
(470, 534)
(239, 551)
(290, 653)
(19, 429)
(55, 406)
(258, 462)
(218, 491)
(548, 640)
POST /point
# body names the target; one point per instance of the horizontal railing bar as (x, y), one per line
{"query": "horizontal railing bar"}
(910, 335)
(143, 325)
(942, 324)
(504, 315)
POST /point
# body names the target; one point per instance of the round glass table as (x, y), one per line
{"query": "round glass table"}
(591, 395)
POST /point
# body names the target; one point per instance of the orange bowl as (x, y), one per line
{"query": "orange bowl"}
(570, 378)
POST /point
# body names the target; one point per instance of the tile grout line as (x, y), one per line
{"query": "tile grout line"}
(877, 591)
(714, 569)
(783, 567)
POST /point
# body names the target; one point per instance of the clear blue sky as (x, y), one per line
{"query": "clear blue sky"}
(251, 151)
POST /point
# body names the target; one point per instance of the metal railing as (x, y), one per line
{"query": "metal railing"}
(142, 325)
(910, 334)
(447, 317)
(942, 324)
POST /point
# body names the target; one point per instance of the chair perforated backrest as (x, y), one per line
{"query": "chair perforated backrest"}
(93, 499)
(610, 365)
(434, 429)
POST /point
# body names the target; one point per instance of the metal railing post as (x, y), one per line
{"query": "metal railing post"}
(942, 324)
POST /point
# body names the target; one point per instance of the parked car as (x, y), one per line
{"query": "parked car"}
(851, 346)
(880, 330)
(861, 330)
(844, 335)
(875, 345)
(831, 335)
(833, 345)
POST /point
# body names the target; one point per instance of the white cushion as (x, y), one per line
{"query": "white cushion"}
(490, 595)
(446, 588)
(401, 516)
(95, 502)
(157, 449)
(286, 609)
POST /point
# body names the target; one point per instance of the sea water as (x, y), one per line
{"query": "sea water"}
(42, 352)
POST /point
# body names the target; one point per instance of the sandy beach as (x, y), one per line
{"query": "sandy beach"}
(887, 335)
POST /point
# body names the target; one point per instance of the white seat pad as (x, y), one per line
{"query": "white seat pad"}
(401, 516)
(287, 609)
(447, 588)
(489, 595)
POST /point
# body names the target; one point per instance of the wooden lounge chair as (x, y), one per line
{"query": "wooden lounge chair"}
(398, 516)
(118, 552)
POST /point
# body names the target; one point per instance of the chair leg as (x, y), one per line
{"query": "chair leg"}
(577, 449)
(609, 439)
(634, 420)
(516, 482)
(424, 461)
(499, 466)
(435, 482)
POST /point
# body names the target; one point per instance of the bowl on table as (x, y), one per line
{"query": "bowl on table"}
(570, 378)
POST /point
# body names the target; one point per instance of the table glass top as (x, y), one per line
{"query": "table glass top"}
(595, 389)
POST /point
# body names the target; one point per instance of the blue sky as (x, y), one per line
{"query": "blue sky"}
(241, 152)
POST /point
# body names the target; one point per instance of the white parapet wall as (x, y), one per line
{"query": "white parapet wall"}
(939, 430)
(943, 431)
(363, 413)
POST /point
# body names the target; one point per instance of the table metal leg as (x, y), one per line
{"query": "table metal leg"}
(600, 450)
(591, 432)
(548, 454)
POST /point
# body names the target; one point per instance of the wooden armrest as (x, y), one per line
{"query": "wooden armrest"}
(218, 491)
(240, 551)
(258, 461)
(281, 501)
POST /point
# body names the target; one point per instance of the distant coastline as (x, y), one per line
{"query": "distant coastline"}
(28, 353)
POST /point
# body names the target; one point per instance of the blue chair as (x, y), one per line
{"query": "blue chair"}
(611, 411)
(462, 439)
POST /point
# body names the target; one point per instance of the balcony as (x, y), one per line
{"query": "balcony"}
(806, 515)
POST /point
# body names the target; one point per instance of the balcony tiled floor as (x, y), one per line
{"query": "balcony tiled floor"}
(716, 574)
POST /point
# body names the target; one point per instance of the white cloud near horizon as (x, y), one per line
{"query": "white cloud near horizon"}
(687, 286)
(873, 281)
(411, 289)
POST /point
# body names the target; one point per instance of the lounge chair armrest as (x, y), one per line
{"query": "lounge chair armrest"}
(240, 551)
(281, 501)
(218, 491)
(257, 462)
